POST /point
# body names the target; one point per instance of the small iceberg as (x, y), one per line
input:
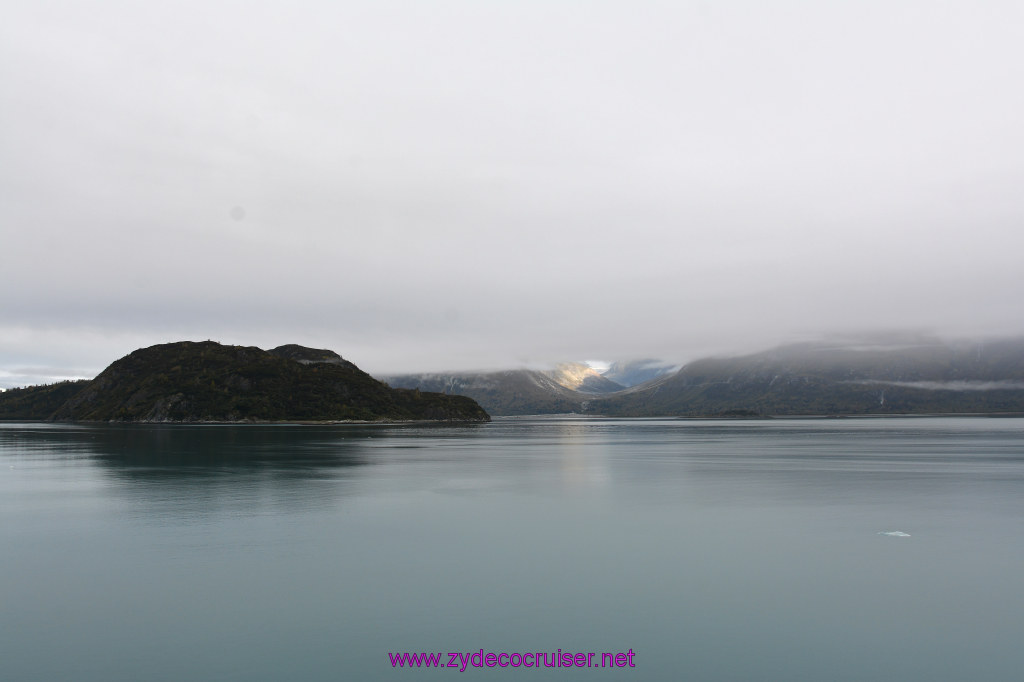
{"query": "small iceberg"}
(894, 533)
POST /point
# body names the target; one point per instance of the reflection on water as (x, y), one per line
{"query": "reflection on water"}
(187, 449)
(200, 469)
(203, 470)
(714, 549)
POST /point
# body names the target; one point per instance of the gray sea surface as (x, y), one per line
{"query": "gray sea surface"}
(798, 549)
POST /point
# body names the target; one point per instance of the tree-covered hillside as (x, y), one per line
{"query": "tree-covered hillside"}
(207, 381)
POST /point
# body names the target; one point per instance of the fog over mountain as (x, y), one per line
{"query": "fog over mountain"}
(881, 375)
(457, 185)
(633, 372)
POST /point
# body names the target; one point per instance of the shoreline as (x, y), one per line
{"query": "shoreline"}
(509, 417)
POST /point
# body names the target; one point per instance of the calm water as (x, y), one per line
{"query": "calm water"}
(742, 550)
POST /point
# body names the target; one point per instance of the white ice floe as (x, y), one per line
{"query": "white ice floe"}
(894, 533)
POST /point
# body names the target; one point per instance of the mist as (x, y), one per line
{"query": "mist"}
(466, 186)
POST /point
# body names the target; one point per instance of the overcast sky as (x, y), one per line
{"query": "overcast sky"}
(463, 184)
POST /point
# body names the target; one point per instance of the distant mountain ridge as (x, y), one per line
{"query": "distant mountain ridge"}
(913, 376)
(209, 382)
(520, 391)
(582, 378)
(827, 379)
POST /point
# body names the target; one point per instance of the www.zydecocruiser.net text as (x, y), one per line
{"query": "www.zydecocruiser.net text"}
(461, 660)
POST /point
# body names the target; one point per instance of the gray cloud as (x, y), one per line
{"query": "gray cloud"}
(459, 185)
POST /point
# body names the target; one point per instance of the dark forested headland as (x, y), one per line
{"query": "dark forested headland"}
(210, 382)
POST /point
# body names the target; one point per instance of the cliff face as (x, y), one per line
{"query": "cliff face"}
(196, 382)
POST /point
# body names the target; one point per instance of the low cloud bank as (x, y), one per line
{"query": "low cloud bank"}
(950, 385)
